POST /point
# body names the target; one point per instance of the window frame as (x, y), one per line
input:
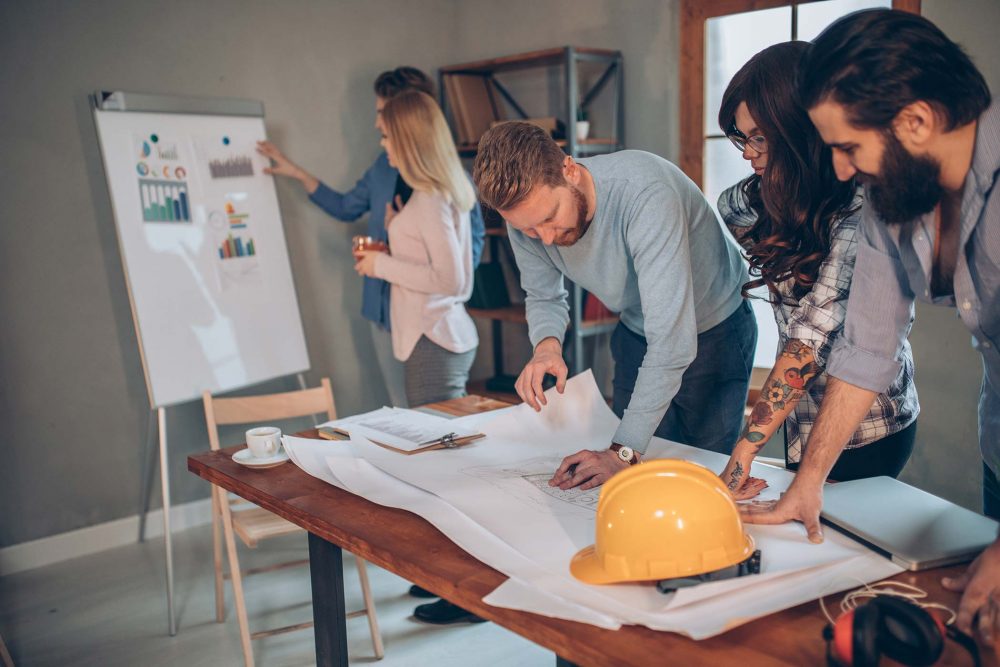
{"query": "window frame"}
(694, 14)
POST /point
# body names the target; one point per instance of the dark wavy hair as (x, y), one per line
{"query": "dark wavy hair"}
(798, 198)
(876, 62)
(392, 82)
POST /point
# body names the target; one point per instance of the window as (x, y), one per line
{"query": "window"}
(717, 38)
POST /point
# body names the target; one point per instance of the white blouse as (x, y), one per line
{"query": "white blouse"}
(430, 270)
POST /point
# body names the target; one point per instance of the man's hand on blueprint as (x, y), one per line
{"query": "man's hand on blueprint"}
(587, 469)
(803, 502)
(547, 359)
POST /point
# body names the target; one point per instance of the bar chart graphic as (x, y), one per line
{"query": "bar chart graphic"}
(164, 201)
(236, 246)
(231, 167)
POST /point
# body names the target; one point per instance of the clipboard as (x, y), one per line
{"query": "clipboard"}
(446, 441)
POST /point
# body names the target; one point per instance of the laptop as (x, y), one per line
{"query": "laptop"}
(913, 528)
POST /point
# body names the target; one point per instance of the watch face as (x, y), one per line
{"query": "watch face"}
(625, 454)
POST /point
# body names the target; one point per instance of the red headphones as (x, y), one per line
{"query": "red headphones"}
(893, 627)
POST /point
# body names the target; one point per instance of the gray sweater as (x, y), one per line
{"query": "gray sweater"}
(655, 253)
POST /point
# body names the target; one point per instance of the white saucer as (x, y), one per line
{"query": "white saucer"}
(244, 457)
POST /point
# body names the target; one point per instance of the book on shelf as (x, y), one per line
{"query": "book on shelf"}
(451, 95)
(475, 105)
(594, 310)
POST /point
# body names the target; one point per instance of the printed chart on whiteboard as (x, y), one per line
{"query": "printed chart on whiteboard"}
(204, 250)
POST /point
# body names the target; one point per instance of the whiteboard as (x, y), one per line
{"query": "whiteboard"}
(203, 248)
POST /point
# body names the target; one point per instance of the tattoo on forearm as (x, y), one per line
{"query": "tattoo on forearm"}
(797, 350)
(780, 393)
(735, 476)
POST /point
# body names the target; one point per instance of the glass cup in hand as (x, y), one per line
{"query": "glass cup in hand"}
(361, 243)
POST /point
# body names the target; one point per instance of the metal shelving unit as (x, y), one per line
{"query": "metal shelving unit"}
(569, 59)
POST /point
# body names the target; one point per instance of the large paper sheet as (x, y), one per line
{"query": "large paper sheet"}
(320, 457)
(493, 500)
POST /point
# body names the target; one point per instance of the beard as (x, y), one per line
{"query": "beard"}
(571, 236)
(907, 186)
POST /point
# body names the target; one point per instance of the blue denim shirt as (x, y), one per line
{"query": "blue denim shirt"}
(893, 269)
(370, 195)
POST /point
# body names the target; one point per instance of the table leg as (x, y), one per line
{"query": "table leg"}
(563, 662)
(326, 568)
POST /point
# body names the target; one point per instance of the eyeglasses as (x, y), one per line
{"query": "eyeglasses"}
(757, 142)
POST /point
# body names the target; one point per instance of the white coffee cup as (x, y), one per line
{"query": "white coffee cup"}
(264, 441)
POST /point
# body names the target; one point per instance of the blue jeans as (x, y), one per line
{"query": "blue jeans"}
(707, 411)
(991, 494)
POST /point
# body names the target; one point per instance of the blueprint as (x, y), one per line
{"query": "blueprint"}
(528, 482)
(492, 499)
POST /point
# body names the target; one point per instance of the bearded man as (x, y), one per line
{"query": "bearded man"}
(905, 110)
(633, 230)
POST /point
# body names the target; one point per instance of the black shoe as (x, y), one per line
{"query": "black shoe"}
(418, 592)
(443, 612)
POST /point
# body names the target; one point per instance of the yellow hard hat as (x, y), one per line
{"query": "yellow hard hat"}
(662, 520)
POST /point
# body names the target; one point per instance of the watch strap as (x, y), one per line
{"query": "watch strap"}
(615, 447)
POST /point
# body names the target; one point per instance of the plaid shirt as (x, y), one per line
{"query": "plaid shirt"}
(817, 319)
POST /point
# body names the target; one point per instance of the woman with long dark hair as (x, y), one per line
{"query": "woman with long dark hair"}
(797, 223)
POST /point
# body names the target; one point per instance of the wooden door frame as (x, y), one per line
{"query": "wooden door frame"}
(694, 13)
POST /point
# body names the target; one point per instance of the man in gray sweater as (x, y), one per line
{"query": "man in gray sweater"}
(637, 233)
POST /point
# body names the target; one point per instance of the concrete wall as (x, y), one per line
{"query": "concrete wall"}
(72, 397)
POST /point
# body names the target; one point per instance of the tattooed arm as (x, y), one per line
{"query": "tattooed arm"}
(794, 370)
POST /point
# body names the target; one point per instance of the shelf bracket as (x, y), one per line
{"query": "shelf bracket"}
(597, 87)
(507, 96)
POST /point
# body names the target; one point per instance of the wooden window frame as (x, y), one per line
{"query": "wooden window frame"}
(694, 14)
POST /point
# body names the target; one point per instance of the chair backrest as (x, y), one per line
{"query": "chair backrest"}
(268, 407)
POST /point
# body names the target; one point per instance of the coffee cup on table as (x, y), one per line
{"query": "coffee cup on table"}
(264, 441)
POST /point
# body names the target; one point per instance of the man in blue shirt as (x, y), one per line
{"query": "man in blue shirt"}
(375, 193)
(906, 112)
(379, 192)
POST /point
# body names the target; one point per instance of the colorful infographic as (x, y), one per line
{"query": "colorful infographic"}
(236, 220)
(162, 182)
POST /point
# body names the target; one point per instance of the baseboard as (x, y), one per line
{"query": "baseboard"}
(92, 539)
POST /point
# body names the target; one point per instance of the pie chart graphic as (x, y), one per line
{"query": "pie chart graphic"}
(142, 168)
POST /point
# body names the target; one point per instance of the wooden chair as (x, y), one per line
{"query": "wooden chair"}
(254, 524)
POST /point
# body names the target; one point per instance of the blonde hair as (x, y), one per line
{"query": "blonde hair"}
(423, 149)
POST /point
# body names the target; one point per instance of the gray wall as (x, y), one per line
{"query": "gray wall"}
(72, 397)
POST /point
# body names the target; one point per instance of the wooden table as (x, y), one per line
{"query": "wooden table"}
(410, 547)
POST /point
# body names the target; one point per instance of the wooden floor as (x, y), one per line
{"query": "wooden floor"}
(109, 609)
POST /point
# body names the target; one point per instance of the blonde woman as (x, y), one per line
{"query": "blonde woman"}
(429, 264)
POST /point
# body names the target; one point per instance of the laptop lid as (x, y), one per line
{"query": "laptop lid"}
(915, 529)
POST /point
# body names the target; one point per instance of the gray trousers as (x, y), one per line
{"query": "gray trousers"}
(391, 367)
(435, 374)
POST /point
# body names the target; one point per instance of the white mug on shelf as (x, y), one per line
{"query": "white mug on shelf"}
(264, 441)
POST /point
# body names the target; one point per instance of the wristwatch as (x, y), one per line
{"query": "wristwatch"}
(626, 454)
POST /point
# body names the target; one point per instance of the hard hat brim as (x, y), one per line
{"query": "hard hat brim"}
(587, 567)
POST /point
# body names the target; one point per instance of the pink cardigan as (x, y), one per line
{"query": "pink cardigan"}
(430, 270)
